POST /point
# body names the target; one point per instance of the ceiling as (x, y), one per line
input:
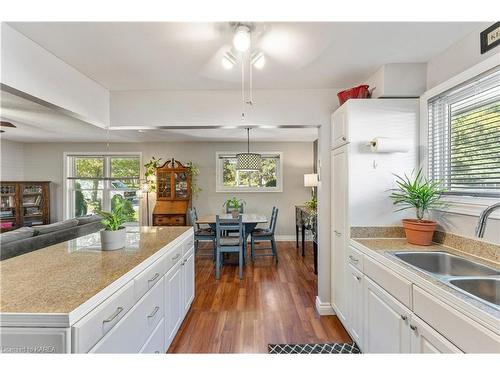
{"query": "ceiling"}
(37, 123)
(176, 56)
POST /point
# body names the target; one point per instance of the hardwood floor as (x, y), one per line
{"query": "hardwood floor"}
(272, 304)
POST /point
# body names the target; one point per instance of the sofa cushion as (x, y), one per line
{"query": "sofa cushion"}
(16, 235)
(54, 227)
(88, 219)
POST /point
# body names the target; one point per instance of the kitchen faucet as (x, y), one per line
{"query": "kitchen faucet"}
(481, 224)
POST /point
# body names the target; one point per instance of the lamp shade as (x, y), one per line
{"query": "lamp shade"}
(311, 180)
(248, 162)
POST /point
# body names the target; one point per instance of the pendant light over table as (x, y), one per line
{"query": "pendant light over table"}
(248, 161)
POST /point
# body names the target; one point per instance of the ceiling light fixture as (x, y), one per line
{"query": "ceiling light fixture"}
(258, 60)
(248, 161)
(241, 39)
(228, 60)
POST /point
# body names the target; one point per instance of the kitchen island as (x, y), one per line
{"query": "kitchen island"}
(73, 297)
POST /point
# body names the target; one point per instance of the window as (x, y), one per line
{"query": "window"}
(269, 179)
(97, 182)
(464, 137)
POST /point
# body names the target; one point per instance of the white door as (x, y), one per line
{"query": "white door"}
(174, 301)
(354, 285)
(188, 276)
(424, 339)
(386, 328)
(339, 229)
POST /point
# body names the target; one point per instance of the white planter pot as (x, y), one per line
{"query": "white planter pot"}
(113, 239)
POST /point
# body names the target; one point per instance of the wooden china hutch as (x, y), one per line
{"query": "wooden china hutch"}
(23, 204)
(173, 194)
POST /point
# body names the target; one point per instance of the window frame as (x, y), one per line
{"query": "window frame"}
(457, 204)
(220, 188)
(68, 208)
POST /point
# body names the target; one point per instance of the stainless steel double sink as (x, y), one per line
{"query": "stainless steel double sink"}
(477, 280)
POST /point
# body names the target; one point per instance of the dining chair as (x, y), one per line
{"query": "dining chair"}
(201, 234)
(265, 234)
(228, 244)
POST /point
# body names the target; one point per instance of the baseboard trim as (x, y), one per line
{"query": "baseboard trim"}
(290, 237)
(324, 308)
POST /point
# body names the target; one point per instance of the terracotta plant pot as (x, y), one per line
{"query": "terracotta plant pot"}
(419, 232)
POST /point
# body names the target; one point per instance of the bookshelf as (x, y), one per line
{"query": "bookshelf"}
(23, 203)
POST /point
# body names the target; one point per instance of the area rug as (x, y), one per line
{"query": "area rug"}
(332, 348)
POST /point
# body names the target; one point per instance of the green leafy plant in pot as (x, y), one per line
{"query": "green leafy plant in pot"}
(113, 236)
(234, 205)
(420, 194)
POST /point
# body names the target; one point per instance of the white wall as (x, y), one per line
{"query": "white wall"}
(12, 161)
(457, 58)
(33, 70)
(46, 161)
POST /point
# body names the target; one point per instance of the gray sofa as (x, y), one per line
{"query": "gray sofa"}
(27, 239)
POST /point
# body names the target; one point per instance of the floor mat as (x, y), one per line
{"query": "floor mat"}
(332, 348)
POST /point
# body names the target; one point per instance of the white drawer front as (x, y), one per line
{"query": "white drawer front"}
(188, 244)
(148, 278)
(130, 334)
(91, 328)
(396, 285)
(156, 342)
(355, 257)
(461, 330)
(173, 256)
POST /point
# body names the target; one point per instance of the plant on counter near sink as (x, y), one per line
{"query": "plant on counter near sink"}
(416, 192)
(113, 236)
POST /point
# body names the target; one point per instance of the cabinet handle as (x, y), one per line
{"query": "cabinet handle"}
(157, 352)
(404, 317)
(358, 277)
(354, 260)
(176, 257)
(413, 328)
(114, 316)
(157, 275)
(337, 233)
(154, 312)
(344, 138)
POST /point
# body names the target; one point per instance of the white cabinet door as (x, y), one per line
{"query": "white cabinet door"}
(424, 339)
(174, 307)
(354, 286)
(339, 128)
(339, 230)
(386, 328)
(188, 280)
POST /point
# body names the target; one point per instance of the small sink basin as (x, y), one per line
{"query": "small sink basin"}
(487, 289)
(444, 264)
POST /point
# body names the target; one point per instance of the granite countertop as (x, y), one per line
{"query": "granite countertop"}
(59, 278)
(385, 247)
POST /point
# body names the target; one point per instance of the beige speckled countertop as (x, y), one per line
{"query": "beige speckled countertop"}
(386, 246)
(59, 278)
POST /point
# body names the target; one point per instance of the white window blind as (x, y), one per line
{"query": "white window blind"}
(464, 137)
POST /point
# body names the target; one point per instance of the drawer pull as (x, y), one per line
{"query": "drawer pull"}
(358, 277)
(154, 312)
(354, 260)
(404, 317)
(157, 275)
(176, 257)
(413, 328)
(114, 316)
(337, 233)
(157, 352)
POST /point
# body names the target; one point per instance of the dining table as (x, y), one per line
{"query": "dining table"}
(250, 222)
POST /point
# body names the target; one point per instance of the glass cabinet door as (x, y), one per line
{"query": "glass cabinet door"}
(181, 185)
(8, 214)
(32, 204)
(164, 187)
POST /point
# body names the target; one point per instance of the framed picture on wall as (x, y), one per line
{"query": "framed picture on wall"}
(490, 38)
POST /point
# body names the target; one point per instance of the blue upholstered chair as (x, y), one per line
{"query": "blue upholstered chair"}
(200, 234)
(228, 244)
(266, 234)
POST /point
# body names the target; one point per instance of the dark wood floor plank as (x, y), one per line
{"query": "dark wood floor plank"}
(273, 304)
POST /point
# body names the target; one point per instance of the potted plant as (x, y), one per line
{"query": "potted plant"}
(149, 173)
(195, 171)
(233, 205)
(420, 194)
(113, 235)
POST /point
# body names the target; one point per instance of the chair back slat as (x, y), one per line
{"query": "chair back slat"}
(274, 219)
(192, 217)
(224, 225)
